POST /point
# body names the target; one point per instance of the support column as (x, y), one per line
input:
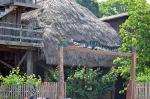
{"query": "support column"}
(61, 74)
(131, 86)
(133, 73)
(29, 62)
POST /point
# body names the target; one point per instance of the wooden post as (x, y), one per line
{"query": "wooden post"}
(29, 62)
(133, 75)
(61, 94)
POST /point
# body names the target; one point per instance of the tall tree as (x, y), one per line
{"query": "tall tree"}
(135, 32)
(92, 5)
(112, 7)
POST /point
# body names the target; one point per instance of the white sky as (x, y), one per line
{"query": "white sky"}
(104, 0)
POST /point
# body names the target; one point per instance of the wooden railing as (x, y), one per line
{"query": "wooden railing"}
(18, 34)
(26, 1)
(20, 1)
(45, 90)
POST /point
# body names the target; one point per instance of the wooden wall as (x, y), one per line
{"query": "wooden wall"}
(13, 17)
(115, 23)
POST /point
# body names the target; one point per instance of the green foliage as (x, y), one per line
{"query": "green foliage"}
(52, 75)
(92, 5)
(89, 83)
(135, 32)
(15, 78)
(112, 7)
(144, 76)
(85, 82)
(32, 80)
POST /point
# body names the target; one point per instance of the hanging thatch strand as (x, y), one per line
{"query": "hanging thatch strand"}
(68, 23)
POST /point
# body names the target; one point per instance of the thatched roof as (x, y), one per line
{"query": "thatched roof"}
(68, 21)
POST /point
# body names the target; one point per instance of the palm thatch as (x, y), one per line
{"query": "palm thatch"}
(65, 20)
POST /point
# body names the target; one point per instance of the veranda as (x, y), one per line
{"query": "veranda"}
(58, 90)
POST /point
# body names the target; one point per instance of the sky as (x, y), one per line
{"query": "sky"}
(104, 0)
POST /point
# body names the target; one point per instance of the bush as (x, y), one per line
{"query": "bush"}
(89, 83)
(15, 78)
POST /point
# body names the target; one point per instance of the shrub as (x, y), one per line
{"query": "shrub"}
(15, 78)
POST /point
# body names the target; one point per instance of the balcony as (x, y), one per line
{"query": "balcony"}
(20, 35)
(28, 4)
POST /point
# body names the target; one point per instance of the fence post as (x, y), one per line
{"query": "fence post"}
(131, 91)
(61, 94)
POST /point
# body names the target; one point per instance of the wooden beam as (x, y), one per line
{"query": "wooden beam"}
(15, 47)
(7, 49)
(19, 29)
(21, 44)
(99, 52)
(4, 63)
(61, 75)
(31, 6)
(22, 59)
(12, 48)
(22, 37)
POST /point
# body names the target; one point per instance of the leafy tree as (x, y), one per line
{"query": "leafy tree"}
(135, 32)
(92, 5)
(86, 83)
(112, 7)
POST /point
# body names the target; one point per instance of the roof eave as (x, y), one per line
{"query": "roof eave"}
(114, 17)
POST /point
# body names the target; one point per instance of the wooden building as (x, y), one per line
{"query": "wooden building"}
(116, 20)
(18, 42)
(62, 21)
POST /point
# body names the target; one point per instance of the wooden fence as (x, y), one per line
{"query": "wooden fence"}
(45, 90)
(142, 91)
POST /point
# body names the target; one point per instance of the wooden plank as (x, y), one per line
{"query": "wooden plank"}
(6, 49)
(29, 62)
(23, 44)
(61, 74)
(145, 90)
(99, 52)
(32, 6)
(22, 59)
(142, 91)
(22, 37)
(148, 90)
(133, 72)
(19, 29)
(15, 48)
(6, 64)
